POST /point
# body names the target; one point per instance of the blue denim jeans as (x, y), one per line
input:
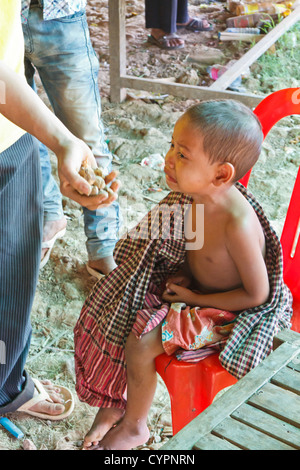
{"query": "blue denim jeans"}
(62, 53)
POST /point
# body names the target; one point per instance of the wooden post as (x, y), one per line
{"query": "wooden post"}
(117, 48)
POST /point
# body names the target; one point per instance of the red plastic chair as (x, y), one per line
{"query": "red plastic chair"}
(193, 386)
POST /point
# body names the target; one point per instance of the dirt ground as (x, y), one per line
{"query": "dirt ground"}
(137, 129)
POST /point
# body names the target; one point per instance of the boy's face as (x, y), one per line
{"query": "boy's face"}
(187, 167)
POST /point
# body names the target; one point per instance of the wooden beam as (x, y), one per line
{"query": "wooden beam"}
(119, 81)
(186, 91)
(117, 48)
(255, 52)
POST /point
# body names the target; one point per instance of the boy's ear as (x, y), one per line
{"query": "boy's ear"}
(224, 173)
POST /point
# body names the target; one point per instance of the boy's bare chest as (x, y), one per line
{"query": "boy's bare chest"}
(212, 266)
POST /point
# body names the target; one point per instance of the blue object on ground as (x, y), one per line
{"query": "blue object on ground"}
(11, 427)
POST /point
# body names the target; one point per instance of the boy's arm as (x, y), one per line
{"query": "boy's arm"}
(24, 108)
(245, 250)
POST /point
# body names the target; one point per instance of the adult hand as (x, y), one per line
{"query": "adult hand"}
(70, 158)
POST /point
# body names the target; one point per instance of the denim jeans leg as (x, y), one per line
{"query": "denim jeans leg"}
(52, 200)
(62, 53)
(102, 230)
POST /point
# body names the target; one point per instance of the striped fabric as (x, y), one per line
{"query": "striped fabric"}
(20, 247)
(116, 306)
(53, 9)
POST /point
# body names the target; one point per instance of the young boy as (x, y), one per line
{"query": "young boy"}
(213, 145)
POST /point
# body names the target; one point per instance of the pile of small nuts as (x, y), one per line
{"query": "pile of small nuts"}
(96, 178)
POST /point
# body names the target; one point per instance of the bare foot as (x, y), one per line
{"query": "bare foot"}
(103, 265)
(55, 408)
(105, 419)
(171, 40)
(125, 436)
(51, 227)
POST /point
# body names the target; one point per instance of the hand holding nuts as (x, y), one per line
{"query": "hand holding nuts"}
(95, 177)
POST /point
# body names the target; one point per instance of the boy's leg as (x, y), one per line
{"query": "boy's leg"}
(132, 430)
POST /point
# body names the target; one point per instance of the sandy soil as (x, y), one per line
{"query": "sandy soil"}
(135, 129)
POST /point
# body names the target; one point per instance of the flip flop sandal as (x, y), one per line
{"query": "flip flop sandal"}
(49, 244)
(195, 26)
(162, 42)
(94, 272)
(41, 394)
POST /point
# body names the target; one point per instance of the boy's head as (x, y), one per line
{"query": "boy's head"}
(230, 133)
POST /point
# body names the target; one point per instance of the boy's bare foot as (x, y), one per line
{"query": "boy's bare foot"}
(55, 408)
(105, 419)
(125, 436)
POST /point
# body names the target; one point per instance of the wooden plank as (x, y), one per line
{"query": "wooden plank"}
(255, 52)
(269, 424)
(279, 402)
(288, 379)
(211, 442)
(186, 91)
(232, 399)
(295, 364)
(117, 48)
(286, 336)
(248, 438)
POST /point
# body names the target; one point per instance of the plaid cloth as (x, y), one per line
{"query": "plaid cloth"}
(145, 257)
(53, 9)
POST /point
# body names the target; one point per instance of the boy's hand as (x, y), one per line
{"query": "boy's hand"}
(177, 293)
(180, 279)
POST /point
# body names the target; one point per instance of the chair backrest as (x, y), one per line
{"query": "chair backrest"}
(270, 110)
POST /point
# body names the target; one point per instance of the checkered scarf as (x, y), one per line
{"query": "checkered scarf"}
(141, 258)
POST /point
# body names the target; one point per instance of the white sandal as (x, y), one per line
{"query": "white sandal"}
(49, 244)
(41, 394)
(94, 272)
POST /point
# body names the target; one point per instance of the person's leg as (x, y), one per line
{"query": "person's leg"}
(185, 21)
(68, 67)
(132, 430)
(20, 237)
(182, 12)
(20, 244)
(54, 219)
(102, 229)
(161, 18)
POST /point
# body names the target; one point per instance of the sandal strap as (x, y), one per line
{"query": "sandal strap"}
(40, 396)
